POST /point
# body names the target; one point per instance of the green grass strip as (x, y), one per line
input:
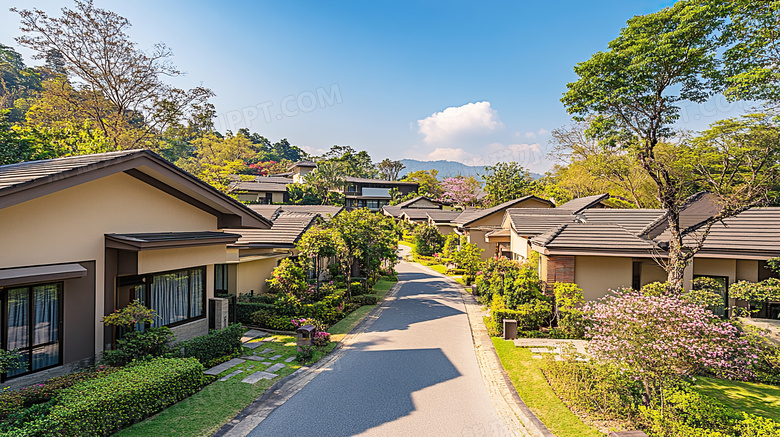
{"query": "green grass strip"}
(760, 399)
(534, 390)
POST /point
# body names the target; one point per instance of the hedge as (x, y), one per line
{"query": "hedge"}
(365, 299)
(529, 316)
(244, 310)
(265, 319)
(103, 405)
(213, 345)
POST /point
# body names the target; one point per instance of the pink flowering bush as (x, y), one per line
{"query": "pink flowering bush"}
(659, 339)
(321, 339)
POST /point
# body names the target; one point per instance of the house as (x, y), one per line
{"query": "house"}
(262, 189)
(476, 224)
(606, 249)
(374, 194)
(442, 219)
(83, 236)
(257, 252)
(299, 170)
(417, 203)
(271, 212)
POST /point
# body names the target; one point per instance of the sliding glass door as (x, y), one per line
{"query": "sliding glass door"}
(32, 325)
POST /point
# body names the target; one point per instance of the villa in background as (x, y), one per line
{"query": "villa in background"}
(359, 192)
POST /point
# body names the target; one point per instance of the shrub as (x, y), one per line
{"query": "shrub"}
(289, 278)
(568, 298)
(213, 345)
(357, 288)
(13, 401)
(468, 258)
(265, 319)
(428, 240)
(130, 316)
(244, 310)
(320, 339)
(137, 345)
(659, 339)
(31, 422)
(510, 281)
(450, 245)
(305, 354)
(529, 316)
(101, 406)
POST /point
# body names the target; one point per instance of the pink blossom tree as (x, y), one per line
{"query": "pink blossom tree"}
(659, 339)
(459, 190)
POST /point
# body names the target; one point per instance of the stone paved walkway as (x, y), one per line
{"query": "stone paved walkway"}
(253, 374)
(551, 346)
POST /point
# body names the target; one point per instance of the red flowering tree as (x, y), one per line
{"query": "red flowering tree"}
(659, 339)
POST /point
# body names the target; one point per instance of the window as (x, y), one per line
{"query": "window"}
(177, 296)
(372, 204)
(720, 310)
(220, 279)
(32, 325)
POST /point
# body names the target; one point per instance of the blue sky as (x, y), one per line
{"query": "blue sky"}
(381, 75)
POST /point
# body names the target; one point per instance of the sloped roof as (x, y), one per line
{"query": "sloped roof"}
(633, 220)
(442, 215)
(377, 181)
(529, 223)
(411, 202)
(415, 213)
(698, 208)
(304, 163)
(27, 180)
(468, 217)
(582, 203)
(159, 240)
(588, 236)
(285, 232)
(756, 231)
(260, 186)
(271, 212)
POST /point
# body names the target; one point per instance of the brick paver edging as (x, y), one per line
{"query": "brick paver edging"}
(287, 387)
(510, 407)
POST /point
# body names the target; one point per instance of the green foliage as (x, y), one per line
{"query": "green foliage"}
(364, 300)
(530, 316)
(140, 346)
(755, 293)
(656, 289)
(468, 258)
(245, 310)
(303, 194)
(429, 184)
(130, 316)
(507, 181)
(100, 406)
(568, 298)
(215, 344)
(509, 282)
(289, 278)
(427, 240)
(450, 245)
(266, 319)
(305, 354)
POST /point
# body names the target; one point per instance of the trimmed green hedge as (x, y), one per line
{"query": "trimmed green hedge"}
(244, 310)
(265, 319)
(215, 344)
(529, 316)
(365, 299)
(102, 406)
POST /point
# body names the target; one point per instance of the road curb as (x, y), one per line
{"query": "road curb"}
(510, 407)
(282, 390)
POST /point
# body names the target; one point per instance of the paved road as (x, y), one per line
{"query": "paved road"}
(413, 373)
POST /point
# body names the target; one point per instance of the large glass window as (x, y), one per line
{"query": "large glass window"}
(176, 296)
(32, 325)
(220, 279)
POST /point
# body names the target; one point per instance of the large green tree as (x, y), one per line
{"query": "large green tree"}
(631, 95)
(507, 181)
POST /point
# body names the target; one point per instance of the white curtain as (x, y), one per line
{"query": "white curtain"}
(18, 322)
(177, 296)
(47, 326)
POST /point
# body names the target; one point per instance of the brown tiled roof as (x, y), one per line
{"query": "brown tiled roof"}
(304, 163)
(756, 231)
(260, 186)
(529, 223)
(416, 213)
(589, 236)
(168, 239)
(285, 232)
(24, 172)
(25, 180)
(696, 209)
(442, 215)
(582, 203)
(376, 181)
(471, 216)
(411, 202)
(633, 220)
(271, 212)
(393, 211)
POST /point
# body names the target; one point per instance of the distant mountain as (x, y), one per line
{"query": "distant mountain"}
(446, 168)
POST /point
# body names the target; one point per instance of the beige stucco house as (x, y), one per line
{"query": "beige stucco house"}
(83, 236)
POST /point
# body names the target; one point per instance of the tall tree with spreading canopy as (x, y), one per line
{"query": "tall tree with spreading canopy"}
(507, 181)
(98, 56)
(631, 95)
(389, 170)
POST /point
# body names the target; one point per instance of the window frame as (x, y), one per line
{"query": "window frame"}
(31, 328)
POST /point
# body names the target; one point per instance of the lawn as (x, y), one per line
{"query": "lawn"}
(439, 268)
(205, 412)
(533, 389)
(760, 399)
(405, 243)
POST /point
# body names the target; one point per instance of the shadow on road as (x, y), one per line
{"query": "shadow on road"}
(365, 390)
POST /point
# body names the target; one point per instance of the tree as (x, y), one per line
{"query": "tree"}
(389, 170)
(429, 185)
(320, 244)
(326, 180)
(17, 82)
(507, 181)
(93, 48)
(427, 240)
(351, 162)
(631, 94)
(468, 258)
(459, 190)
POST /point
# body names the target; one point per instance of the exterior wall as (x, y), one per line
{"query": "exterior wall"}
(248, 197)
(477, 236)
(161, 260)
(747, 270)
(598, 274)
(69, 226)
(445, 229)
(652, 272)
(188, 331)
(251, 275)
(715, 267)
(277, 197)
(425, 203)
(518, 245)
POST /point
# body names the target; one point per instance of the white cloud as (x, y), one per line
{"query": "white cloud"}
(543, 132)
(530, 135)
(448, 154)
(470, 119)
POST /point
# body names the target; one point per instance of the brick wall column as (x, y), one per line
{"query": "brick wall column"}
(560, 268)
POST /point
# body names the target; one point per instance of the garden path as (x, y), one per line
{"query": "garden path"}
(412, 372)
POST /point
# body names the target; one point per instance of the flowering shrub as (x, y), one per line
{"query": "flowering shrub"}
(320, 339)
(130, 316)
(289, 278)
(660, 338)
